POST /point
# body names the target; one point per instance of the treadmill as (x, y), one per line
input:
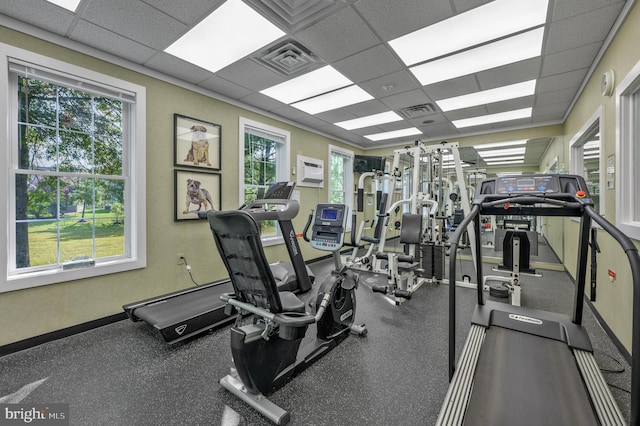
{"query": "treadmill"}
(525, 366)
(186, 313)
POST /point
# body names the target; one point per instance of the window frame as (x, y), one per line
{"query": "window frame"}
(282, 163)
(348, 178)
(576, 153)
(134, 173)
(627, 177)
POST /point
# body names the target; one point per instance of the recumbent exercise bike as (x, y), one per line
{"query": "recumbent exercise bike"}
(267, 351)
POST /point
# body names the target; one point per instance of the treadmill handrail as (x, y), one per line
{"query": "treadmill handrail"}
(453, 252)
(569, 204)
(565, 202)
(634, 261)
(258, 209)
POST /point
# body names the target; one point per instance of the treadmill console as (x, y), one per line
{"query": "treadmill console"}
(535, 184)
(279, 191)
(527, 184)
(329, 226)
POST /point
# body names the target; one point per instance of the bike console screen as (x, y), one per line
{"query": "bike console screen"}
(329, 226)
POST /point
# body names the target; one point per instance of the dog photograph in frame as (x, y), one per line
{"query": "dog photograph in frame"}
(197, 143)
(195, 192)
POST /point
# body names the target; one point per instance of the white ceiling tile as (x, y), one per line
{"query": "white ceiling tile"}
(561, 81)
(173, 66)
(225, 87)
(369, 64)
(406, 99)
(580, 30)
(251, 74)
(559, 96)
(338, 36)
(454, 87)
(135, 20)
(391, 21)
(568, 8)
(569, 60)
(391, 84)
(261, 101)
(108, 41)
(189, 14)
(39, 13)
(509, 74)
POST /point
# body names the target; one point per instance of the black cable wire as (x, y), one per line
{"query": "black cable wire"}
(622, 368)
(619, 388)
(188, 267)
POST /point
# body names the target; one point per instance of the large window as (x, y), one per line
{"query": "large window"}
(587, 159)
(627, 173)
(75, 171)
(341, 189)
(264, 151)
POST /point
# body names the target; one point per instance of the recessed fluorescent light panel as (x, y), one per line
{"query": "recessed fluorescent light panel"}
(222, 38)
(493, 118)
(513, 49)
(71, 5)
(370, 120)
(394, 134)
(500, 144)
(311, 84)
(511, 158)
(499, 163)
(502, 152)
(512, 91)
(482, 24)
(332, 100)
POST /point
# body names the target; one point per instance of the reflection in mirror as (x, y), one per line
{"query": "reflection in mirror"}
(585, 158)
(512, 158)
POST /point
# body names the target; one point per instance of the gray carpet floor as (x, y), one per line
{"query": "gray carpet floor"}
(125, 374)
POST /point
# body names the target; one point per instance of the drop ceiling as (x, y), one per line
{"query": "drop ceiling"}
(353, 37)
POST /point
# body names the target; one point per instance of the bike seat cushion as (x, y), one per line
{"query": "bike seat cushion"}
(291, 303)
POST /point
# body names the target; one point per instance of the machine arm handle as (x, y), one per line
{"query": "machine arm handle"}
(306, 227)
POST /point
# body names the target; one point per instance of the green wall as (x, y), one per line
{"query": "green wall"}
(613, 297)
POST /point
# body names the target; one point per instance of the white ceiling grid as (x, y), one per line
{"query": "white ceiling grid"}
(352, 36)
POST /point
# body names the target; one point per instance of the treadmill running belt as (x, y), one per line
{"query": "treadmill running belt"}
(522, 379)
(185, 306)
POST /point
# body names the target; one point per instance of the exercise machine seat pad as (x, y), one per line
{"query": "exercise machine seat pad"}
(291, 303)
(411, 231)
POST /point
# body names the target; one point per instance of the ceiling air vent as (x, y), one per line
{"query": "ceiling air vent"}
(289, 58)
(418, 110)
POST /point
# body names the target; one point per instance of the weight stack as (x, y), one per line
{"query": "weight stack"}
(438, 262)
(427, 251)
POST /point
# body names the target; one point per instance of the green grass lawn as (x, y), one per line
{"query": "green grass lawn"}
(76, 238)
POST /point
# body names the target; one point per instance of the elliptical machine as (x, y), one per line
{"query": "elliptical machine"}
(267, 351)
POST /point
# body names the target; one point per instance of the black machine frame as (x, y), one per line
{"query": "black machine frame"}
(556, 195)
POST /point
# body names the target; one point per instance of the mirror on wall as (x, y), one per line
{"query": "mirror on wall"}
(585, 158)
(517, 157)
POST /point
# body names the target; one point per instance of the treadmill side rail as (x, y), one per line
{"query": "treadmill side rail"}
(455, 402)
(601, 397)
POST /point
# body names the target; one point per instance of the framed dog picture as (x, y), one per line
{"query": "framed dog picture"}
(197, 143)
(194, 192)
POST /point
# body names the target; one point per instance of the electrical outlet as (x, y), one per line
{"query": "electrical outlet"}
(181, 259)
